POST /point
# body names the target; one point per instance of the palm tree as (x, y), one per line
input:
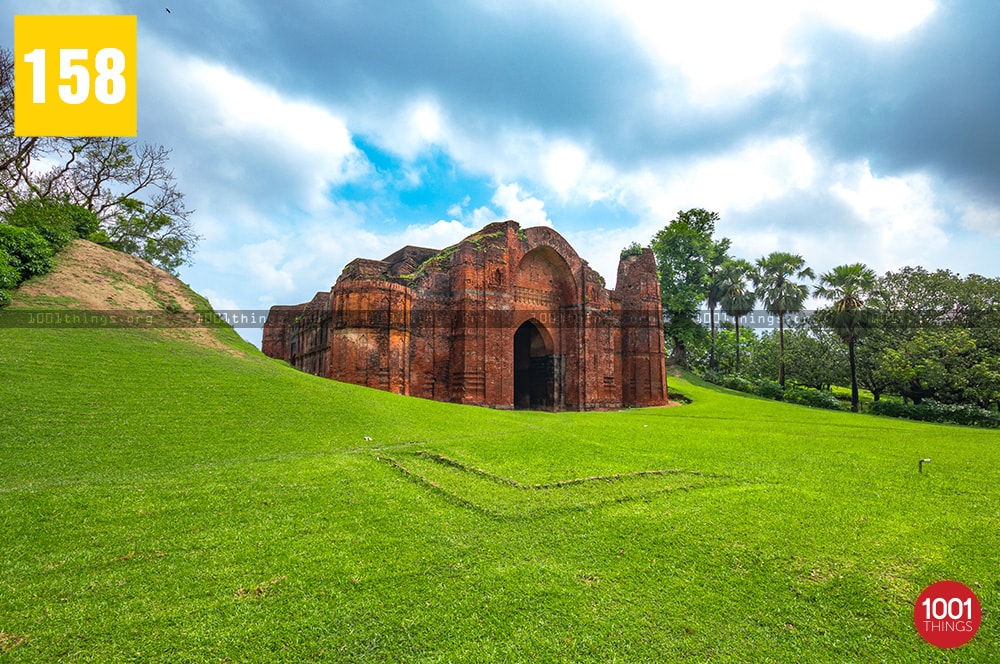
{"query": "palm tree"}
(780, 294)
(844, 286)
(735, 294)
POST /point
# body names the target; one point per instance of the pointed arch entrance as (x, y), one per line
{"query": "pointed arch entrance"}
(538, 372)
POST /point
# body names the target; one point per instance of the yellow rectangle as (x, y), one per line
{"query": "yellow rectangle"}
(75, 76)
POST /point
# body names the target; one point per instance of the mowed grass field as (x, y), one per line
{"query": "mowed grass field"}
(163, 502)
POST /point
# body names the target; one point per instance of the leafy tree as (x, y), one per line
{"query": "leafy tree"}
(730, 347)
(978, 310)
(16, 152)
(933, 364)
(683, 250)
(871, 370)
(846, 286)
(780, 294)
(917, 309)
(718, 255)
(733, 287)
(128, 186)
(148, 234)
(814, 357)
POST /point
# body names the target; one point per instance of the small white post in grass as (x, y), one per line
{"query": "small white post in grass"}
(920, 464)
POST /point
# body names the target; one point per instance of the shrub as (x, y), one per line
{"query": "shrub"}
(731, 381)
(808, 396)
(634, 249)
(9, 276)
(34, 230)
(740, 383)
(85, 222)
(28, 252)
(713, 376)
(933, 411)
(59, 223)
(769, 389)
(743, 384)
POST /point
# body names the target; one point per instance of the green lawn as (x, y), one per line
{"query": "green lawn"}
(160, 502)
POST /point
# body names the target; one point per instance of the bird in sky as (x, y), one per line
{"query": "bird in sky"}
(168, 9)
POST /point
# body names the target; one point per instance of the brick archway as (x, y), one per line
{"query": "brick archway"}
(538, 372)
(545, 297)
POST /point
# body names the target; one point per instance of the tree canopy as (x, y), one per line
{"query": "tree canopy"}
(685, 250)
(127, 185)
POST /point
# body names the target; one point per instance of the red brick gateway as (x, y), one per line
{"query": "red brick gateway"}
(509, 317)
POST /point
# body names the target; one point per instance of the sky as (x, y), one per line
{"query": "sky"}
(306, 133)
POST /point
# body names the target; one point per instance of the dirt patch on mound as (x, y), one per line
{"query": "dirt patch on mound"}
(90, 277)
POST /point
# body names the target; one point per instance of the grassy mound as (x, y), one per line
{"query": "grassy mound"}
(164, 501)
(89, 277)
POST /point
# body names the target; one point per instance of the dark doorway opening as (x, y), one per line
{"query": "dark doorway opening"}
(537, 371)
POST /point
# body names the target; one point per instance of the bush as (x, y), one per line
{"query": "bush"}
(768, 389)
(59, 223)
(932, 411)
(716, 377)
(9, 276)
(808, 396)
(634, 249)
(33, 232)
(28, 252)
(731, 381)
(739, 383)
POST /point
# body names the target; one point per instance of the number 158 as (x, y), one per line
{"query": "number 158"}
(109, 84)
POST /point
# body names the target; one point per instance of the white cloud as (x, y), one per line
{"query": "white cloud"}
(413, 127)
(715, 45)
(758, 172)
(437, 235)
(262, 164)
(252, 137)
(220, 301)
(739, 180)
(980, 217)
(562, 166)
(725, 49)
(902, 212)
(527, 210)
(877, 19)
(263, 261)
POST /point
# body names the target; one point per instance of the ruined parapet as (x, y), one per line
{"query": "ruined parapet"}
(644, 367)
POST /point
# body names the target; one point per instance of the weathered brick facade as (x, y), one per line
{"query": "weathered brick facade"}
(507, 318)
